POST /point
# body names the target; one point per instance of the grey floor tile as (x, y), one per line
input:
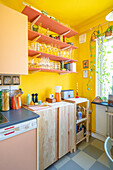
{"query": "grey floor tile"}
(71, 165)
(98, 144)
(61, 162)
(52, 167)
(91, 139)
(103, 159)
(71, 155)
(84, 160)
(93, 151)
(82, 145)
(98, 166)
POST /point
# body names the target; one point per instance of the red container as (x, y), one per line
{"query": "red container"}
(18, 100)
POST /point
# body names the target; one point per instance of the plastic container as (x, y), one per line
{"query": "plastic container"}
(5, 100)
(28, 99)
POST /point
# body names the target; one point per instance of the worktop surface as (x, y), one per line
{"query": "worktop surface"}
(18, 116)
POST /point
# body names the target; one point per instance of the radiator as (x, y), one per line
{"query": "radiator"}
(109, 123)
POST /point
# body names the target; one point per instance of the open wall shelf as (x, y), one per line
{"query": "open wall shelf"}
(47, 22)
(48, 40)
(32, 53)
(48, 70)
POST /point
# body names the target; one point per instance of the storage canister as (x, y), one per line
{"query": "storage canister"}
(5, 100)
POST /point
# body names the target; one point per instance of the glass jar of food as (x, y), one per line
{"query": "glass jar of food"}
(5, 100)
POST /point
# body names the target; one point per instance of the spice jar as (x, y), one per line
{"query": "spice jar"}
(5, 100)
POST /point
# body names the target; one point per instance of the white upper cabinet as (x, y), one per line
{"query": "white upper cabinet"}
(13, 42)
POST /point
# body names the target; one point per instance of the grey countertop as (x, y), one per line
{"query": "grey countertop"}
(18, 116)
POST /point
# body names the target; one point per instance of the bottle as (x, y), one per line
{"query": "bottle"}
(36, 98)
(33, 98)
(28, 99)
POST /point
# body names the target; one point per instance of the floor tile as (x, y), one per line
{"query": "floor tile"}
(71, 165)
(91, 139)
(82, 145)
(84, 160)
(71, 155)
(98, 144)
(52, 167)
(103, 159)
(93, 151)
(61, 162)
(98, 166)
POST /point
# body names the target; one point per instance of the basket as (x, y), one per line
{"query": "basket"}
(80, 135)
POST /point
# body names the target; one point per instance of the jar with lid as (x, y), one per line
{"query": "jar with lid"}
(5, 100)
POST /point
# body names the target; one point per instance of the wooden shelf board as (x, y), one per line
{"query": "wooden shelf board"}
(51, 57)
(48, 40)
(81, 120)
(81, 140)
(49, 70)
(47, 22)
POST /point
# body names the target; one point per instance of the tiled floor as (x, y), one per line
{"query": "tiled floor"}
(88, 156)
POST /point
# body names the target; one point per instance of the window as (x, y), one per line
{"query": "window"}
(104, 67)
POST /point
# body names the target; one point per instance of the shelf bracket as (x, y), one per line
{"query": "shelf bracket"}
(35, 56)
(35, 21)
(34, 40)
(34, 71)
(65, 48)
(65, 33)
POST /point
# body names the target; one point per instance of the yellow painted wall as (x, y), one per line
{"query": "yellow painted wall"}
(84, 54)
(43, 82)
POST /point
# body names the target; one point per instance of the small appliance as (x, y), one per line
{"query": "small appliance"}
(65, 94)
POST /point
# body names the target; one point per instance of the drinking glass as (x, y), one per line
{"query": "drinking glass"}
(41, 47)
(47, 32)
(44, 48)
(32, 62)
(32, 46)
(70, 53)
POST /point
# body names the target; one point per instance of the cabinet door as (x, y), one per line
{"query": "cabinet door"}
(19, 152)
(13, 42)
(63, 131)
(47, 138)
